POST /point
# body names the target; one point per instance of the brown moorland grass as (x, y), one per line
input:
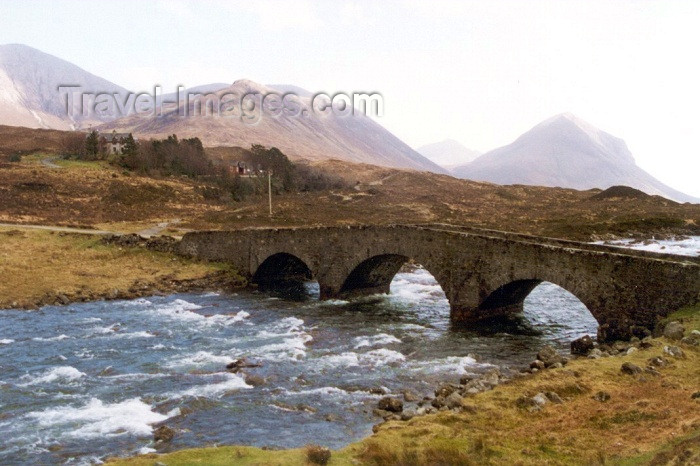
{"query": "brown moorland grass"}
(97, 194)
(39, 266)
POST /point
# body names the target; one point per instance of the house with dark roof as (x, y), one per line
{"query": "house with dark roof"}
(114, 142)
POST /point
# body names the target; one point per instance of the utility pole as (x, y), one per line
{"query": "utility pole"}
(269, 190)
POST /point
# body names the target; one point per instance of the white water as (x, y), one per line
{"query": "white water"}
(683, 247)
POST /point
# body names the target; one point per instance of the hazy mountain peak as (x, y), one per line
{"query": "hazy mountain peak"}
(568, 152)
(448, 153)
(250, 86)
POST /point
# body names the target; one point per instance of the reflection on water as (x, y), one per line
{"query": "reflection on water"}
(84, 381)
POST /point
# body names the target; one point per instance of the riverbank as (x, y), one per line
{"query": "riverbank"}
(46, 268)
(601, 414)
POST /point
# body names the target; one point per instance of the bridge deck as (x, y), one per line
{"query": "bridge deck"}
(558, 242)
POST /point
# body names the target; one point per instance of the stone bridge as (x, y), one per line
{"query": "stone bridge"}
(484, 273)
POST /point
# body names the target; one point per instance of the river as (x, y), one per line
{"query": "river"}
(85, 381)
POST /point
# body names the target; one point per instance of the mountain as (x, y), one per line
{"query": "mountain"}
(567, 152)
(29, 96)
(448, 153)
(307, 135)
(171, 98)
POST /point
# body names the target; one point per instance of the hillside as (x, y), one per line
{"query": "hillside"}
(29, 81)
(353, 138)
(565, 151)
(99, 195)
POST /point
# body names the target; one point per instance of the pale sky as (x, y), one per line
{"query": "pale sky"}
(479, 72)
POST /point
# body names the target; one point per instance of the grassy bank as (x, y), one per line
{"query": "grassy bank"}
(648, 419)
(43, 267)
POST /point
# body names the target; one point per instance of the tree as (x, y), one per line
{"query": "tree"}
(92, 144)
(130, 146)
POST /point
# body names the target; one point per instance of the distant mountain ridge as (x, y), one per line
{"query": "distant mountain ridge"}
(29, 81)
(568, 152)
(29, 95)
(353, 138)
(448, 153)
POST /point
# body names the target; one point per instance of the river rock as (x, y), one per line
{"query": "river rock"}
(163, 434)
(631, 350)
(254, 380)
(491, 378)
(537, 364)
(674, 330)
(548, 355)
(630, 369)
(409, 396)
(445, 390)
(582, 346)
(674, 351)
(63, 299)
(438, 402)
(595, 353)
(454, 400)
(239, 364)
(384, 414)
(388, 403)
(465, 379)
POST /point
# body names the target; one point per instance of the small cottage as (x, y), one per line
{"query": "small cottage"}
(114, 142)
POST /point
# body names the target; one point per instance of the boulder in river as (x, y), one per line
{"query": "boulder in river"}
(391, 404)
(581, 346)
(163, 434)
(239, 364)
(254, 380)
(445, 390)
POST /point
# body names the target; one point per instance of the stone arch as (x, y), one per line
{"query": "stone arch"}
(281, 267)
(375, 274)
(509, 298)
